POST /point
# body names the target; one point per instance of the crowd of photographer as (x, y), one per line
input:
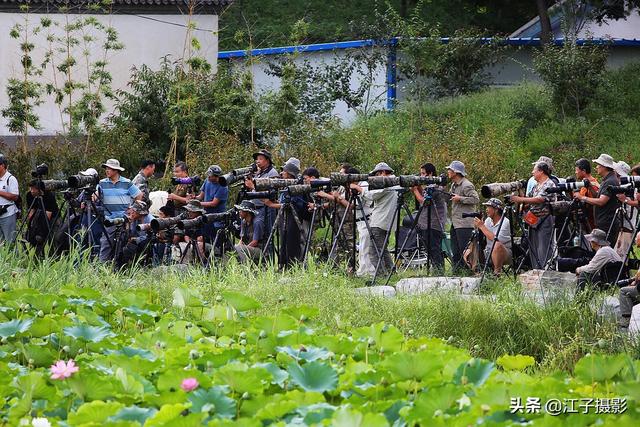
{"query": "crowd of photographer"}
(544, 222)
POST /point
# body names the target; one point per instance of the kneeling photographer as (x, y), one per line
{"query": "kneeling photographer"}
(498, 249)
(43, 212)
(252, 235)
(604, 254)
(136, 245)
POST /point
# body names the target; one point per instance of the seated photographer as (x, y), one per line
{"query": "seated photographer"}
(432, 233)
(138, 214)
(538, 218)
(382, 218)
(182, 193)
(501, 254)
(604, 254)
(463, 200)
(606, 204)
(213, 197)
(117, 194)
(194, 210)
(582, 172)
(164, 237)
(629, 296)
(252, 237)
(291, 225)
(9, 195)
(43, 212)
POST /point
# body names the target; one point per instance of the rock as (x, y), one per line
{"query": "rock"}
(634, 323)
(378, 291)
(552, 283)
(423, 285)
(610, 309)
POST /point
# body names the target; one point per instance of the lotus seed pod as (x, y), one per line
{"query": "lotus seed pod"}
(385, 328)
(476, 347)
(40, 313)
(194, 354)
(381, 350)
(450, 339)
(242, 335)
(410, 332)
(437, 413)
(602, 343)
(263, 334)
(246, 396)
(31, 361)
(485, 408)
(303, 317)
(423, 347)
(80, 351)
(219, 298)
(243, 342)
(371, 342)
(165, 311)
(66, 349)
(221, 325)
(65, 311)
(343, 357)
(55, 304)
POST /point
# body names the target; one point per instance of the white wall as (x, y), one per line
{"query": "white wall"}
(145, 39)
(264, 82)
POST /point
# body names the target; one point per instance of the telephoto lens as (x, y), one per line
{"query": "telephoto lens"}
(115, 222)
(499, 188)
(472, 215)
(158, 224)
(634, 180)
(189, 224)
(236, 175)
(263, 184)
(80, 181)
(53, 184)
(343, 179)
(380, 182)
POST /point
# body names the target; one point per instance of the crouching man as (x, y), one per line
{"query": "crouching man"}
(604, 254)
(251, 233)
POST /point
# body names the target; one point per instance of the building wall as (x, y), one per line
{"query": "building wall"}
(146, 38)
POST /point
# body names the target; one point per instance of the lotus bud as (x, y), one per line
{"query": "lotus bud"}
(66, 349)
(263, 334)
(194, 354)
(219, 298)
(246, 396)
(242, 335)
(40, 313)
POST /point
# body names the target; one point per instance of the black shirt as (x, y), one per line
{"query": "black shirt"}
(48, 200)
(606, 214)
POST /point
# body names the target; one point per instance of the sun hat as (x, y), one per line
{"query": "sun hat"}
(458, 167)
(113, 164)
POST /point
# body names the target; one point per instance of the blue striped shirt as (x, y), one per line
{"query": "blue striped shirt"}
(116, 198)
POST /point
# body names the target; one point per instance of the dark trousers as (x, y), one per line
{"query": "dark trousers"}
(590, 282)
(386, 264)
(459, 240)
(431, 241)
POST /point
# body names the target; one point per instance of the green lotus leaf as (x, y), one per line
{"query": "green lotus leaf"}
(88, 333)
(133, 352)
(346, 417)
(475, 371)
(434, 399)
(93, 412)
(599, 367)
(302, 312)
(133, 413)
(240, 302)
(167, 413)
(275, 409)
(413, 366)
(313, 376)
(14, 327)
(92, 385)
(35, 386)
(74, 291)
(308, 354)
(41, 355)
(52, 323)
(187, 297)
(317, 413)
(243, 379)
(279, 375)
(128, 384)
(383, 336)
(42, 302)
(516, 363)
(213, 401)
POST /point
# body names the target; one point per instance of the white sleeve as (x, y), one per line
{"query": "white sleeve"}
(12, 185)
(505, 231)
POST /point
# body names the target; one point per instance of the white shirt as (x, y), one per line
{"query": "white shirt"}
(603, 256)
(384, 207)
(9, 183)
(505, 232)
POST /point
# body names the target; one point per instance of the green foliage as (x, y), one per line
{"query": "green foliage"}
(572, 74)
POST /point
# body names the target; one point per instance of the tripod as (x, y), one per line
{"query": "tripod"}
(224, 238)
(317, 205)
(577, 217)
(285, 212)
(28, 221)
(192, 245)
(630, 249)
(507, 211)
(400, 192)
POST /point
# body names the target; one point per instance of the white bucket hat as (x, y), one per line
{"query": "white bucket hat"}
(606, 161)
(458, 167)
(113, 164)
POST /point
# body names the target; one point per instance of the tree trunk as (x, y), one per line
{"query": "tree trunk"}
(545, 22)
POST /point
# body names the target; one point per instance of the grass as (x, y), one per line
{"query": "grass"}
(556, 334)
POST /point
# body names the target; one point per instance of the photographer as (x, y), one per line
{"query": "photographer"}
(249, 248)
(606, 204)
(538, 218)
(501, 254)
(290, 228)
(628, 214)
(9, 196)
(117, 194)
(264, 163)
(432, 233)
(214, 200)
(182, 193)
(40, 222)
(382, 218)
(137, 214)
(147, 169)
(582, 172)
(604, 254)
(629, 296)
(464, 200)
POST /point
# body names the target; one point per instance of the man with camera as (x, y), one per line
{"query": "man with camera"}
(252, 236)
(463, 201)
(604, 254)
(181, 193)
(627, 214)
(147, 169)
(264, 164)
(9, 195)
(606, 204)
(582, 172)
(382, 218)
(43, 211)
(117, 194)
(214, 200)
(431, 230)
(629, 297)
(138, 237)
(498, 249)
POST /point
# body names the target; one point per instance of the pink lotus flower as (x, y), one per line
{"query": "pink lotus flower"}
(61, 369)
(189, 384)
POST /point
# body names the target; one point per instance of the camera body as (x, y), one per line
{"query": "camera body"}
(472, 215)
(626, 189)
(40, 171)
(193, 181)
(81, 181)
(115, 222)
(237, 175)
(633, 180)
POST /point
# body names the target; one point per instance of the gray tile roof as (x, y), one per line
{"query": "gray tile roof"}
(148, 6)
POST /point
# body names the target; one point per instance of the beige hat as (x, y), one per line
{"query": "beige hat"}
(113, 164)
(546, 160)
(606, 161)
(598, 237)
(194, 206)
(622, 168)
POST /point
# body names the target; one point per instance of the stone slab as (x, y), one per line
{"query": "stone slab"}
(378, 291)
(424, 285)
